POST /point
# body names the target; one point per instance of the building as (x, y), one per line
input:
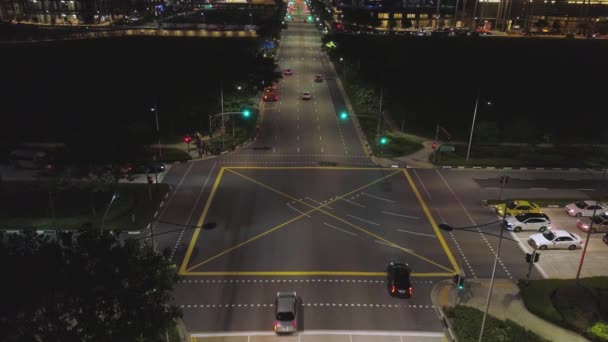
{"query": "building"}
(535, 15)
(76, 12)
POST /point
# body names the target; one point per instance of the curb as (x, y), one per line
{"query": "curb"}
(447, 326)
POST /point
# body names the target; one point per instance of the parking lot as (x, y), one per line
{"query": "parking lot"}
(563, 263)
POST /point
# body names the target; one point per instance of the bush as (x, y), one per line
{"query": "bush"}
(467, 325)
(599, 331)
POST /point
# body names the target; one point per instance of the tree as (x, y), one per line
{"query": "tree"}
(392, 23)
(90, 288)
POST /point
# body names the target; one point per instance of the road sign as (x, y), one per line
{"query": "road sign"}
(447, 148)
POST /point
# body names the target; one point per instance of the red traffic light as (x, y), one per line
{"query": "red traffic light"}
(187, 139)
(434, 146)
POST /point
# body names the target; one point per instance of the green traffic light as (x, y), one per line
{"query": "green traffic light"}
(343, 115)
(246, 113)
(383, 140)
(310, 18)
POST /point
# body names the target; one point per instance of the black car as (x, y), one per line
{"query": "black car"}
(398, 280)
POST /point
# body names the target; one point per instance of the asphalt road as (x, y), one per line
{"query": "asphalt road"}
(303, 209)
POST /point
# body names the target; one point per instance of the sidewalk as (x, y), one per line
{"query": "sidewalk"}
(506, 302)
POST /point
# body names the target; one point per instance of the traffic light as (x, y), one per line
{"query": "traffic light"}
(343, 115)
(536, 257)
(459, 281)
(528, 258)
(434, 145)
(310, 18)
(383, 140)
(187, 139)
(246, 113)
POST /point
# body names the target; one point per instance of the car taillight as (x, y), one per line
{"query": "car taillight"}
(275, 325)
(393, 289)
(411, 290)
(294, 324)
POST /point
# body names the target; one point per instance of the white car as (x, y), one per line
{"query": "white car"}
(555, 239)
(306, 95)
(528, 221)
(585, 208)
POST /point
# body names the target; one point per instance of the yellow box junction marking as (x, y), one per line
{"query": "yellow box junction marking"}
(187, 271)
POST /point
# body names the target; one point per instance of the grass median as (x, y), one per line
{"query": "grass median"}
(581, 307)
(397, 145)
(45, 206)
(580, 156)
(467, 325)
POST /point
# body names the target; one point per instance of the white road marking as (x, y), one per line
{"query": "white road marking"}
(407, 231)
(298, 138)
(360, 219)
(319, 203)
(395, 246)
(298, 149)
(380, 198)
(406, 216)
(273, 149)
(292, 208)
(344, 231)
(321, 149)
(351, 202)
(539, 189)
(320, 138)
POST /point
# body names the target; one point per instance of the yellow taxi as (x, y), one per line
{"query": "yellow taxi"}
(516, 208)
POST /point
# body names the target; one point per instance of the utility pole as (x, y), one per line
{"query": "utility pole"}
(379, 116)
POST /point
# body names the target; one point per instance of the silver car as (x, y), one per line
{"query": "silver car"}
(286, 313)
(585, 208)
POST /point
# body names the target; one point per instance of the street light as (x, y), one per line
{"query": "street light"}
(447, 227)
(153, 109)
(489, 103)
(580, 266)
(103, 219)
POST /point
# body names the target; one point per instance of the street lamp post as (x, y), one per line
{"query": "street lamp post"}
(153, 109)
(379, 115)
(103, 219)
(580, 266)
(449, 228)
(473, 123)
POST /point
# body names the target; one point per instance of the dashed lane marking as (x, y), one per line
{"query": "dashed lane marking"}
(378, 198)
(342, 230)
(415, 233)
(400, 215)
(362, 220)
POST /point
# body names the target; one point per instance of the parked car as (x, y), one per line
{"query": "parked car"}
(528, 221)
(517, 207)
(398, 280)
(600, 223)
(585, 208)
(556, 239)
(286, 313)
(288, 72)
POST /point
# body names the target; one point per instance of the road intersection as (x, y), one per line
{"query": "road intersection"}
(304, 209)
